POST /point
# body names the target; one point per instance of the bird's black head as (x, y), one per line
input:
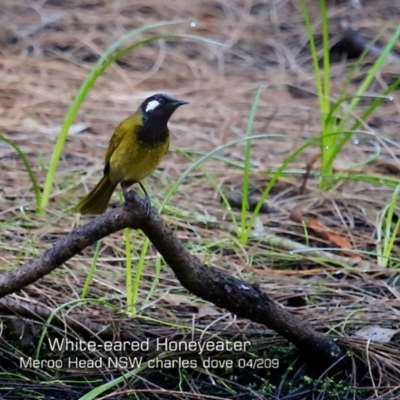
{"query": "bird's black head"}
(160, 107)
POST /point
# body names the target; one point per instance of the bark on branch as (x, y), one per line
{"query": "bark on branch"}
(236, 296)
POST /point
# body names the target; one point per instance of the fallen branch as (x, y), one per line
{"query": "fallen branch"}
(237, 296)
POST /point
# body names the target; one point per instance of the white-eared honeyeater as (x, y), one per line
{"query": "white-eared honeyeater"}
(135, 150)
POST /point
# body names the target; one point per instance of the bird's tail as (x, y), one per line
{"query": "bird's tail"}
(96, 201)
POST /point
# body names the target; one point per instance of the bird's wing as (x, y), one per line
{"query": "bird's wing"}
(118, 135)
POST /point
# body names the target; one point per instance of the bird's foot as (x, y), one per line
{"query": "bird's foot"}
(129, 197)
(148, 205)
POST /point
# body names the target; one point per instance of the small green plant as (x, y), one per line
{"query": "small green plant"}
(330, 146)
(92, 269)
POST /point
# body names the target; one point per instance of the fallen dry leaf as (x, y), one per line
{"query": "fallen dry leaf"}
(376, 333)
(178, 300)
(332, 237)
(206, 310)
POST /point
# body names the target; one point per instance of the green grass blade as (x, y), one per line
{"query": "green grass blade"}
(390, 236)
(124, 378)
(139, 274)
(326, 61)
(155, 281)
(244, 232)
(328, 118)
(323, 84)
(53, 314)
(92, 269)
(28, 168)
(376, 103)
(314, 54)
(130, 303)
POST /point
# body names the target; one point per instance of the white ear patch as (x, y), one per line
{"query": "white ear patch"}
(152, 105)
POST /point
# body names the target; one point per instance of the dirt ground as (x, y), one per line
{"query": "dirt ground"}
(47, 48)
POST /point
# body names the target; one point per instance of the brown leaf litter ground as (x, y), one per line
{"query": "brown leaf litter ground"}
(48, 48)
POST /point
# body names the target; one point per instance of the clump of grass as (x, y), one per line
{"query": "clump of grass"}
(343, 129)
(331, 145)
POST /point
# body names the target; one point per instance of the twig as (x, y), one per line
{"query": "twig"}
(307, 173)
(311, 253)
(237, 296)
(236, 201)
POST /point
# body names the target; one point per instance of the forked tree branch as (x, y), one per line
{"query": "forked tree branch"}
(237, 296)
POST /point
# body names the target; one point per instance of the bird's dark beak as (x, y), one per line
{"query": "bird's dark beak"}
(179, 103)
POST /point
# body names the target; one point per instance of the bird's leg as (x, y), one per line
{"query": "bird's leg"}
(147, 198)
(125, 192)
